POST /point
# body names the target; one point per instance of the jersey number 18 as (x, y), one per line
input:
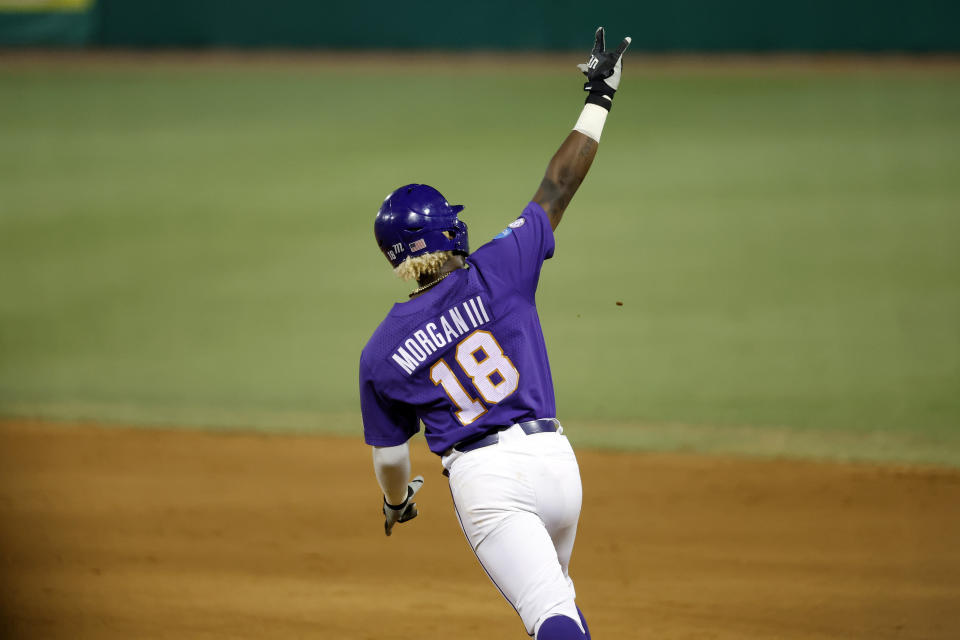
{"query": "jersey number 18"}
(482, 370)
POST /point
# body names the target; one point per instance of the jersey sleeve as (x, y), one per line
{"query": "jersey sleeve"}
(517, 253)
(386, 422)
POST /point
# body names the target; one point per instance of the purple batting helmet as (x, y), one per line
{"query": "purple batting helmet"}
(415, 220)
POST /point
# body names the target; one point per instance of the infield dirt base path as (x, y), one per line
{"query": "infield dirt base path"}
(126, 533)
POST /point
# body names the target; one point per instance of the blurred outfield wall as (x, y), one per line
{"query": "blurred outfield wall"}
(674, 25)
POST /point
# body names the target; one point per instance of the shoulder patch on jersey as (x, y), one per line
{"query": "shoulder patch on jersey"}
(516, 224)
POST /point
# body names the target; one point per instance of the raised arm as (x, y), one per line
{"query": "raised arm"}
(564, 174)
(570, 163)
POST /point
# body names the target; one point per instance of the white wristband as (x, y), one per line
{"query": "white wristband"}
(591, 121)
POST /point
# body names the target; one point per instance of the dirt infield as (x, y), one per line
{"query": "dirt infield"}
(116, 533)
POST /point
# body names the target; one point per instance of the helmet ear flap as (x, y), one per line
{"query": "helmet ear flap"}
(461, 241)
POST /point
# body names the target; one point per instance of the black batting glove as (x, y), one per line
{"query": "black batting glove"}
(603, 71)
(404, 511)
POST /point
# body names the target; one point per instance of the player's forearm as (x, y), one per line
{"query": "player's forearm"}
(570, 164)
(392, 467)
(566, 171)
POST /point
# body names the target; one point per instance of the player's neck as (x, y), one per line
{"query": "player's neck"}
(426, 281)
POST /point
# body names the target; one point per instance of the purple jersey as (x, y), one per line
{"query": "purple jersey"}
(468, 354)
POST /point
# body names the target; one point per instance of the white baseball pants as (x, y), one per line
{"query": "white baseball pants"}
(518, 502)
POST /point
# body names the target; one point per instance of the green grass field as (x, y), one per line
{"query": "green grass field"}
(186, 244)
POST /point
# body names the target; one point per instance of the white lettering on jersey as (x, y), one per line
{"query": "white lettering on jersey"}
(431, 328)
(458, 322)
(405, 360)
(476, 313)
(428, 339)
(424, 341)
(448, 331)
(466, 307)
(483, 311)
(415, 349)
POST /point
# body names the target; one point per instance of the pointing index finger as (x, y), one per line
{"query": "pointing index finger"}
(599, 43)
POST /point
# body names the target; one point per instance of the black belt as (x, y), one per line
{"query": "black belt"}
(492, 435)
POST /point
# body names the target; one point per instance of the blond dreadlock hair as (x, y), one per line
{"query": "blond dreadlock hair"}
(415, 268)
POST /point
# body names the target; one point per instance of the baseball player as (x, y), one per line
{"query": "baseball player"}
(466, 357)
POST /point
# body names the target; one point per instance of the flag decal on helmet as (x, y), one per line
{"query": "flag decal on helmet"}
(417, 245)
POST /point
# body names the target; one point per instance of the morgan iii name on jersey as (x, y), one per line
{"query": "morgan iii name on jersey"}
(437, 334)
(468, 354)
